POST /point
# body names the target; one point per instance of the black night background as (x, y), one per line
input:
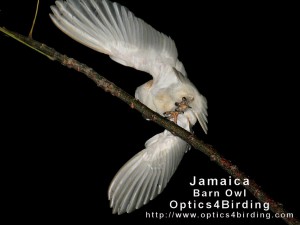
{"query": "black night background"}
(63, 139)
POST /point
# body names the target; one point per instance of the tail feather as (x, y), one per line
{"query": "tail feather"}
(199, 107)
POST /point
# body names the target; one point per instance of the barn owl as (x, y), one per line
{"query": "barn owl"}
(112, 29)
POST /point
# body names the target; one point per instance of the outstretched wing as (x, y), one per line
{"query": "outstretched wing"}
(112, 29)
(147, 173)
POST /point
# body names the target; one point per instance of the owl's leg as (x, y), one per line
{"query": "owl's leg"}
(172, 115)
(180, 108)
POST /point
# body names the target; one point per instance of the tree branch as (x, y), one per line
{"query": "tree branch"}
(190, 138)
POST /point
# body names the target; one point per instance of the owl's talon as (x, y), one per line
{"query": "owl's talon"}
(183, 105)
(172, 115)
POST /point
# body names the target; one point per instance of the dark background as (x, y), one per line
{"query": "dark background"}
(63, 139)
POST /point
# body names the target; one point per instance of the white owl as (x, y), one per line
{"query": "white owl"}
(113, 30)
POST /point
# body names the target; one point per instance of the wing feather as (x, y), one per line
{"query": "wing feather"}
(146, 175)
(112, 29)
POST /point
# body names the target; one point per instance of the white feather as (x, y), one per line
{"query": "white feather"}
(147, 173)
(113, 30)
(99, 25)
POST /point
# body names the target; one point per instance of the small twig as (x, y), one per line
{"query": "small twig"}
(34, 19)
(190, 138)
